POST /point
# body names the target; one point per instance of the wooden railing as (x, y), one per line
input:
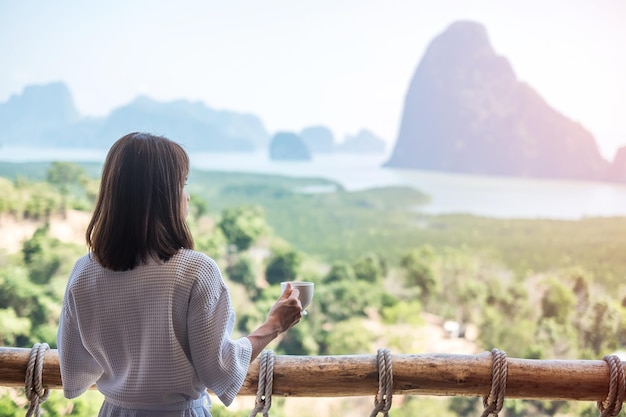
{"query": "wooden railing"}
(357, 375)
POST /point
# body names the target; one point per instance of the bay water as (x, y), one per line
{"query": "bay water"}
(503, 197)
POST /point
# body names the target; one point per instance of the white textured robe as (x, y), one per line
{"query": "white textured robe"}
(153, 339)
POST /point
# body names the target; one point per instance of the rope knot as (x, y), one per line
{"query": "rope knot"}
(612, 404)
(382, 401)
(266, 382)
(34, 390)
(499, 372)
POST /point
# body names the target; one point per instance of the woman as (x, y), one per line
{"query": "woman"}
(145, 317)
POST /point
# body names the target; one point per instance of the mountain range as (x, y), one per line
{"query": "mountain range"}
(45, 115)
(465, 111)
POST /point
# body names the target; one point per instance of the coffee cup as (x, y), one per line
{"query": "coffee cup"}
(305, 289)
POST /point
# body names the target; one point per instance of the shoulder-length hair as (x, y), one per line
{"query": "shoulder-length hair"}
(139, 212)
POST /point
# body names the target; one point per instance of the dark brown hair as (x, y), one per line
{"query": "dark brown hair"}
(139, 212)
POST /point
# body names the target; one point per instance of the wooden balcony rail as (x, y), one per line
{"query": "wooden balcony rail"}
(413, 374)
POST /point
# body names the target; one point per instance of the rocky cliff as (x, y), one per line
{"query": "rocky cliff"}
(617, 173)
(465, 111)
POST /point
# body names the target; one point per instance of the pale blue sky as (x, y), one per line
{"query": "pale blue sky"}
(344, 64)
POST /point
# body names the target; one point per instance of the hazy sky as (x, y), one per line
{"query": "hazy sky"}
(344, 64)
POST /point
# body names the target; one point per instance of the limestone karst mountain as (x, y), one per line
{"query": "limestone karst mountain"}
(617, 173)
(193, 124)
(45, 115)
(465, 111)
(318, 139)
(288, 146)
(39, 109)
(364, 141)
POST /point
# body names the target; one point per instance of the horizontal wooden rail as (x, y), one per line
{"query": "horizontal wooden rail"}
(415, 374)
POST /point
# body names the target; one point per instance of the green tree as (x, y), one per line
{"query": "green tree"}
(66, 176)
(243, 225)
(581, 290)
(242, 272)
(464, 406)
(580, 282)
(212, 242)
(20, 298)
(508, 320)
(342, 300)
(340, 271)
(601, 332)
(469, 298)
(8, 407)
(620, 331)
(198, 207)
(512, 334)
(87, 405)
(368, 268)
(299, 340)
(558, 302)
(40, 255)
(419, 268)
(42, 201)
(12, 327)
(556, 339)
(349, 337)
(407, 311)
(7, 193)
(283, 265)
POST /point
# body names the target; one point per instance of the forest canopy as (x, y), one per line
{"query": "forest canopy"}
(541, 289)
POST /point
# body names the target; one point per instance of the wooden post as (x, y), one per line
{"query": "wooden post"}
(414, 374)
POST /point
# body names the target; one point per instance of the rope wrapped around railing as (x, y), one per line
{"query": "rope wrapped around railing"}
(437, 374)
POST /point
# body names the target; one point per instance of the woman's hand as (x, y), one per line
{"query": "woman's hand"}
(287, 311)
(284, 314)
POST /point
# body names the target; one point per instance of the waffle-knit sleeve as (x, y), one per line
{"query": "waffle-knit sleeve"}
(79, 370)
(220, 361)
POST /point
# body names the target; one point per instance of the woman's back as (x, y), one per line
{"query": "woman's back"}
(134, 324)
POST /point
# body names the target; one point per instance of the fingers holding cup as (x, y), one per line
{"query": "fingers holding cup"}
(304, 289)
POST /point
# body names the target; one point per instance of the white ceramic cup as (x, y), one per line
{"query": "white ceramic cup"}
(305, 289)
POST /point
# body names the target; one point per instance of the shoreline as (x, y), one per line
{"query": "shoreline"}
(451, 193)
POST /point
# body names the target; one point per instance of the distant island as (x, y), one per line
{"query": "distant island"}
(45, 115)
(466, 112)
(319, 139)
(287, 146)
